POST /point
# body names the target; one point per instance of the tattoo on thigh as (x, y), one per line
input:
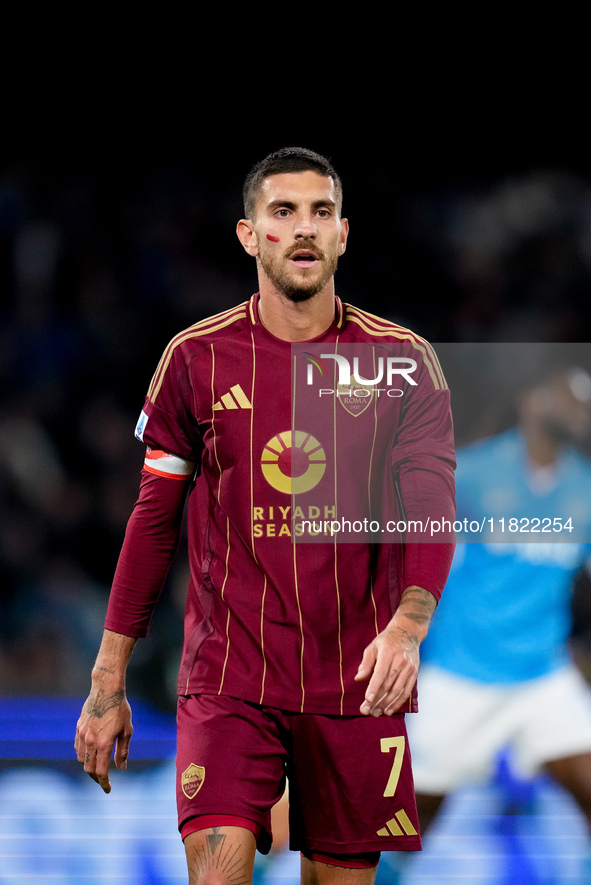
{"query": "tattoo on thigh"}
(215, 840)
(212, 855)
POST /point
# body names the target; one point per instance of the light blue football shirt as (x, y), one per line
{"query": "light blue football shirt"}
(505, 613)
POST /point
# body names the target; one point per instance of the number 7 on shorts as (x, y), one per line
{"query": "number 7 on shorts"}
(397, 744)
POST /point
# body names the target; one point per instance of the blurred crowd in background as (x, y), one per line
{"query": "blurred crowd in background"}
(99, 270)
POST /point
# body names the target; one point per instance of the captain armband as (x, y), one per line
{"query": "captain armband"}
(170, 466)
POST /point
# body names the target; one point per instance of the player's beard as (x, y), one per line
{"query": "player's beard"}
(298, 289)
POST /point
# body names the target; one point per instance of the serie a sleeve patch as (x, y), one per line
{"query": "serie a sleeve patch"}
(167, 465)
(141, 426)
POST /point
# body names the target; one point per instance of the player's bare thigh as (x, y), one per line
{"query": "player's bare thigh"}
(316, 873)
(220, 856)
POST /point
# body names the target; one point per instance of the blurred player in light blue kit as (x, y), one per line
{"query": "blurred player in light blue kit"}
(496, 669)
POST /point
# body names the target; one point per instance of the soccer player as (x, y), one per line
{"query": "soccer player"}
(497, 672)
(300, 654)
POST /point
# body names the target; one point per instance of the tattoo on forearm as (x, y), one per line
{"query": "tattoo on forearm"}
(104, 670)
(213, 856)
(101, 704)
(418, 617)
(421, 604)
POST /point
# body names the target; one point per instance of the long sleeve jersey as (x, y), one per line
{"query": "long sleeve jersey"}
(271, 446)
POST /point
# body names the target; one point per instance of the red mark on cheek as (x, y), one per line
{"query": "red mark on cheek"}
(273, 239)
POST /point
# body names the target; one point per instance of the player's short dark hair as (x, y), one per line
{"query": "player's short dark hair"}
(289, 159)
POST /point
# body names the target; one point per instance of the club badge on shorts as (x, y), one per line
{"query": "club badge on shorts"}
(192, 780)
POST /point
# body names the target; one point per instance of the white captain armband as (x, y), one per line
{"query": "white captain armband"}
(167, 465)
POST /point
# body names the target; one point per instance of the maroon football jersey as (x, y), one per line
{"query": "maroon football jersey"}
(280, 613)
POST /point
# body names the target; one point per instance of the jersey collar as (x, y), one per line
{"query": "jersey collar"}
(253, 311)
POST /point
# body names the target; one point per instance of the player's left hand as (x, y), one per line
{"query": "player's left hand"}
(392, 662)
(392, 659)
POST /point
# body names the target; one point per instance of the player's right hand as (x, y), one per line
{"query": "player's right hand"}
(105, 722)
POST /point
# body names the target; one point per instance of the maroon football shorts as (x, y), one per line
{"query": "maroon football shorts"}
(350, 780)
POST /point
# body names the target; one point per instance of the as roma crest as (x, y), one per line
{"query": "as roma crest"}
(192, 780)
(356, 398)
